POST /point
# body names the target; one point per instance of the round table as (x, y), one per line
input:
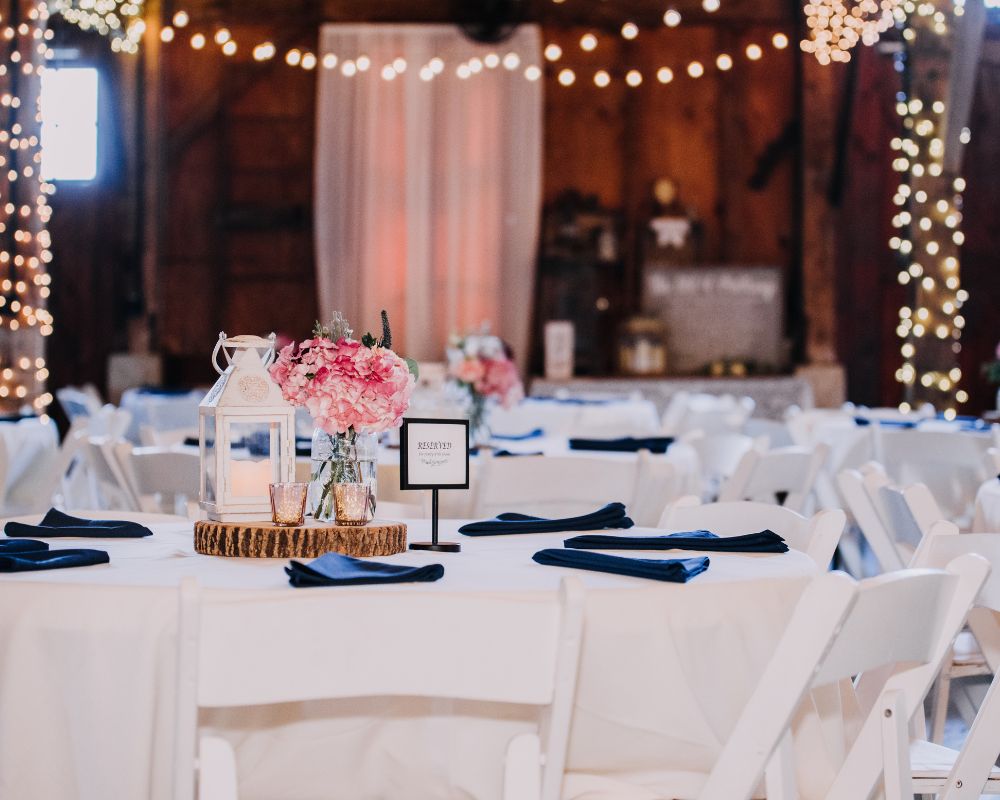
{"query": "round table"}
(86, 679)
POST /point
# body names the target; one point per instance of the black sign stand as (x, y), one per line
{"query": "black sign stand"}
(404, 483)
(434, 544)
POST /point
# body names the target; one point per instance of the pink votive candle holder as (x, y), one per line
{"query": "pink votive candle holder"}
(288, 503)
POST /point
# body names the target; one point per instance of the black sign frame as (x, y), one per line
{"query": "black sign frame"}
(404, 453)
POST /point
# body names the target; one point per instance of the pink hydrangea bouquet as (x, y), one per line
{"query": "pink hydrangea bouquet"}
(480, 365)
(354, 390)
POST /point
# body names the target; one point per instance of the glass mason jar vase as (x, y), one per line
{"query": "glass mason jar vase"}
(479, 426)
(343, 479)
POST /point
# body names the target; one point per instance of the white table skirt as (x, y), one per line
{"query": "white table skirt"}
(86, 684)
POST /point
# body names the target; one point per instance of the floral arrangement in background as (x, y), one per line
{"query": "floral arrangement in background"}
(482, 367)
(354, 390)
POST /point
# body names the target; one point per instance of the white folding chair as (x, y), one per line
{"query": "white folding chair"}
(786, 476)
(851, 483)
(160, 479)
(953, 465)
(83, 401)
(903, 622)
(971, 772)
(110, 488)
(564, 486)
(719, 455)
(908, 515)
(705, 412)
(816, 536)
(218, 639)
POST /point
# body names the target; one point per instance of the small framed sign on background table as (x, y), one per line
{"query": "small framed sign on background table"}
(434, 454)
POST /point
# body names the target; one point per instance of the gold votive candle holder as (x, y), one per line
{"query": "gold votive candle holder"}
(352, 503)
(288, 503)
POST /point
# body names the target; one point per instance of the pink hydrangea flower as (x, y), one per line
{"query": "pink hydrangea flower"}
(345, 384)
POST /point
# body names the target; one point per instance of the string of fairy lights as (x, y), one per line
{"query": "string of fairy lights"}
(928, 236)
(121, 22)
(24, 211)
(927, 202)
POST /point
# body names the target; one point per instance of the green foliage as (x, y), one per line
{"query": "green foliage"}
(386, 333)
(991, 371)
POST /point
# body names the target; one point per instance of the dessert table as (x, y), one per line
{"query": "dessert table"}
(88, 654)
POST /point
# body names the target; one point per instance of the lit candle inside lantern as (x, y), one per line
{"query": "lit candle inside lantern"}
(249, 478)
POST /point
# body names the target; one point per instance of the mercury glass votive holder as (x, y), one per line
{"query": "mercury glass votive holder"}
(288, 503)
(352, 503)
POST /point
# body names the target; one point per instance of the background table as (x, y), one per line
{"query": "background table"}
(86, 679)
(773, 394)
(457, 503)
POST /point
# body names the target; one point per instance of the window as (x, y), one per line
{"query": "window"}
(69, 124)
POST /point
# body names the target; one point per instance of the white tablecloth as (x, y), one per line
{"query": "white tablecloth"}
(86, 684)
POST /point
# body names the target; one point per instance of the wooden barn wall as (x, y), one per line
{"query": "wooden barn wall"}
(236, 250)
(709, 135)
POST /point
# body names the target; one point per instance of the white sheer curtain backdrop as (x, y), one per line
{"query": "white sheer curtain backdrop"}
(428, 192)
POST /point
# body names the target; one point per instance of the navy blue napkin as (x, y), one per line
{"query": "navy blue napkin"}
(886, 423)
(474, 451)
(610, 516)
(570, 401)
(335, 569)
(627, 444)
(21, 546)
(675, 570)
(762, 542)
(519, 437)
(35, 559)
(55, 523)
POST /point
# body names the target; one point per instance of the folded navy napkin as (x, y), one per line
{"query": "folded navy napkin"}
(21, 546)
(675, 570)
(886, 423)
(474, 451)
(55, 523)
(612, 515)
(519, 437)
(334, 569)
(39, 557)
(762, 542)
(570, 401)
(627, 444)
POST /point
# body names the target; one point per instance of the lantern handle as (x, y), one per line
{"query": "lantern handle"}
(215, 352)
(243, 342)
(270, 355)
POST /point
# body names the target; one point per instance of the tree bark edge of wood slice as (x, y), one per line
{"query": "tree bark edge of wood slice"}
(264, 540)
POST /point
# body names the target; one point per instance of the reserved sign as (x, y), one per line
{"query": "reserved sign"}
(434, 454)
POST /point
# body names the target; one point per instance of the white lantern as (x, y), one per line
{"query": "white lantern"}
(246, 433)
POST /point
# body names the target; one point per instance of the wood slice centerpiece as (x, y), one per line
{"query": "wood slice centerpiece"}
(266, 540)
